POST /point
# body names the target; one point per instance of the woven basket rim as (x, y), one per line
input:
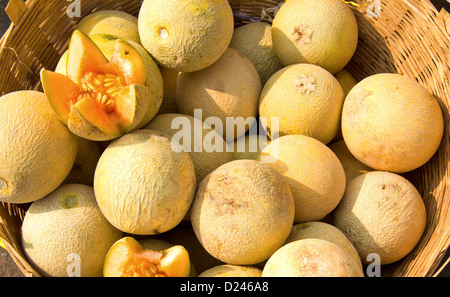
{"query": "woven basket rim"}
(439, 23)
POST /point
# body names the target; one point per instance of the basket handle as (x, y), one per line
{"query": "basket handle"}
(15, 10)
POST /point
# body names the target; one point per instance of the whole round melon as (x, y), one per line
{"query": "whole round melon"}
(390, 122)
(228, 89)
(142, 185)
(205, 146)
(111, 22)
(228, 270)
(186, 35)
(243, 212)
(352, 166)
(255, 41)
(66, 234)
(322, 32)
(314, 173)
(311, 258)
(305, 99)
(381, 213)
(37, 149)
(325, 231)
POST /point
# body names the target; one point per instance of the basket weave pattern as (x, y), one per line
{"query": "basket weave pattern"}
(409, 37)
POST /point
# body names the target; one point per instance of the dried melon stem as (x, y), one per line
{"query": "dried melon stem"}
(3, 184)
(305, 84)
(301, 34)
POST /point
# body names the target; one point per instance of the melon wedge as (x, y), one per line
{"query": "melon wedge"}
(127, 258)
(100, 99)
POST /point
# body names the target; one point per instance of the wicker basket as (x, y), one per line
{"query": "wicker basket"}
(408, 37)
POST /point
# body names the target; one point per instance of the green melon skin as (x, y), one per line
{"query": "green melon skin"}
(66, 228)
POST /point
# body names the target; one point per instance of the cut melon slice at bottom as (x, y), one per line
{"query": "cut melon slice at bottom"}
(127, 258)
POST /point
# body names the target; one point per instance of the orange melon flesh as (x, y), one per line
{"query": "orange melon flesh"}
(127, 258)
(104, 92)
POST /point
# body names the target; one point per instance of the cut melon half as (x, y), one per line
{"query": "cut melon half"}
(99, 99)
(127, 258)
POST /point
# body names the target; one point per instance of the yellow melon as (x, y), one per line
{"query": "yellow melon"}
(392, 123)
(142, 185)
(228, 89)
(322, 32)
(313, 172)
(304, 99)
(206, 159)
(381, 213)
(311, 258)
(65, 233)
(255, 41)
(243, 212)
(111, 22)
(186, 35)
(325, 231)
(37, 149)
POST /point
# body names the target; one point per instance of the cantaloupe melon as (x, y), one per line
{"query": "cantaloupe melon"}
(243, 212)
(322, 32)
(255, 41)
(186, 35)
(381, 213)
(101, 99)
(202, 149)
(325, 231)
(111, 22)
(65, 233)
(313, 172)
(37, 150)
(304, 99)
(228, 89)
(128, 258)
(311, 258)
(142, 185)
(392, 123)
